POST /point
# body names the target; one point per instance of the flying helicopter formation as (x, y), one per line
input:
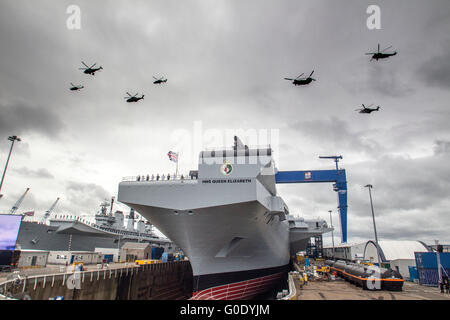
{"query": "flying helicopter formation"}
(92, 70)
(299, 81)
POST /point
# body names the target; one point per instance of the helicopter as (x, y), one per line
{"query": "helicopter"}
(131, 98)
(365, 109)
(90, 70)
(380, 54)
(302, 81)
(75, 88)
(159, 81)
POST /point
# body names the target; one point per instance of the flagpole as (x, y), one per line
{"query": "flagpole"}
(178, 157)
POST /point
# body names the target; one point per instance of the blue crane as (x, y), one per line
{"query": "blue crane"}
(337, 177)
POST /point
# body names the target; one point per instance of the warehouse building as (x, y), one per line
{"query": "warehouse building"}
(398, 255)
(132, 251)
(69, 257)
(351, 252)
(33, 258)
(108, 254)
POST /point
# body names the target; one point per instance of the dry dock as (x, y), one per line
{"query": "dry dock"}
(340, 289)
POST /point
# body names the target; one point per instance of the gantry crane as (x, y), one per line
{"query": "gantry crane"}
(338, 178)
(18, 203)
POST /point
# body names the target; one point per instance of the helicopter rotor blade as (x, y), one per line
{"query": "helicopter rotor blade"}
(311, 73)
(155, 78)
(85, 64)
(300, 75)
(128, 94)
(92, 65)
(72, 84)
(288, 79)
(378, 48)
(386, 48)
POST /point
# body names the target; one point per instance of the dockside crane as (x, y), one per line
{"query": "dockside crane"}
(337, 177)
(49, 211)
(18, 203)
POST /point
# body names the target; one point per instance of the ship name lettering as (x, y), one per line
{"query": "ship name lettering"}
(227, 181)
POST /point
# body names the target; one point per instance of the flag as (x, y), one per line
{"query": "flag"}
(29, 213)
(173, 156)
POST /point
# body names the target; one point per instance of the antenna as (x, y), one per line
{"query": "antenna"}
(111, 208)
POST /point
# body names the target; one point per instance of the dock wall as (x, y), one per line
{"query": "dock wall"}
(161, 281)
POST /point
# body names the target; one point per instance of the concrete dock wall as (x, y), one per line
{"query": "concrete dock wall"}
(162, 281)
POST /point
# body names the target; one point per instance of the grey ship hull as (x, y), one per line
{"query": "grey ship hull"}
(37, 236)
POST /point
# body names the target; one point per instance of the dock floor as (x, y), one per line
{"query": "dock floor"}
(342, 290)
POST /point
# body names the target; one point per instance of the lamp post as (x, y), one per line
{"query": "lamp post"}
(369, 186)
(332, 232)
(438, 262)
(12, 139)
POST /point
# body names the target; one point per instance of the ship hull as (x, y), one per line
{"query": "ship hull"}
(38, 236)
(243, 285)
(236, 251)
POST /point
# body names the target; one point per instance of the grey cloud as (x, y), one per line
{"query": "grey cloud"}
(38, 173)
(435, 72)
(21, 118)
(85, 195)
(338, 133)
(442, 147)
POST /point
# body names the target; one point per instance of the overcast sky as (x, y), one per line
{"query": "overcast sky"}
(225, 61)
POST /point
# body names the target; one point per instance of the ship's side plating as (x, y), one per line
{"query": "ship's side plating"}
(229, 222)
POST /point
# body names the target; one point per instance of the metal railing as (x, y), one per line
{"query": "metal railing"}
(107, 229)
(19, 284)
(159, 178)
(49, 279)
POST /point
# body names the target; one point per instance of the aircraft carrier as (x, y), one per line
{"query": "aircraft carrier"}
(71, 233)
(228, 219)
